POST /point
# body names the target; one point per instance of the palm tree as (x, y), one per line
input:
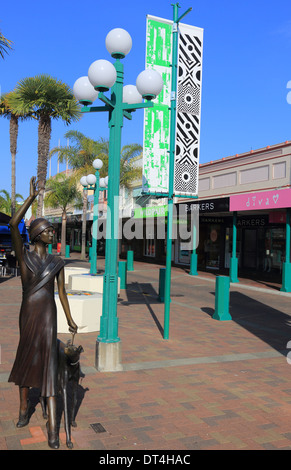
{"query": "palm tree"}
(5, 201)
(62, 193)
(81, 153)
(6, 111)
(128, 171)
(80, 156)
(5, 45)
(47, 98)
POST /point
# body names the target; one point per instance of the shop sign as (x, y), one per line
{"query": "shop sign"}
(151, 211)
(252, 222)
(212, 220)
(261, 200)
(206, 205)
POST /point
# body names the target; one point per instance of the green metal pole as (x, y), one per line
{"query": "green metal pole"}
(122, 271)
(234, 261)
(193, 259)
(171, 170)
(222, 298)
(67, 255)
(287, 236)
(109, 320)
(286, 272)
(130, 266)
(93, 261)
(234, 233)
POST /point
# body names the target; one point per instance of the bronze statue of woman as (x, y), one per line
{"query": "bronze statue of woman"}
(36, 358)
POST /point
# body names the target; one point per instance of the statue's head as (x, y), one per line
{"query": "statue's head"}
(37, 227)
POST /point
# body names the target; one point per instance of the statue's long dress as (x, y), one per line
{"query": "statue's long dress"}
(36, 358)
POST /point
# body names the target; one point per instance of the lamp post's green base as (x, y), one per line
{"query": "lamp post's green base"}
(233, 270)
(286, 278)
(108, 357)
(221, 317)
(193, 264)
(122, 273)
(162, 280)
(130, 261)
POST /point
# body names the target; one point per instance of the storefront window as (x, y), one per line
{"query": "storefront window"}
(274, 249)
(258, 249)
(212, 247)
(150, 247)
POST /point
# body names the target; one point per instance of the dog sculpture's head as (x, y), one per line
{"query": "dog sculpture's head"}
(73, 352)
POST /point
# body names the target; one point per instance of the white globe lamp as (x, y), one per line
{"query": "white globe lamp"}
(97, 164)
(131, 95)
(84, 91)
(83, 181)
(102, 183)
(118, 43)
(149, 84)
(91, 179)
(102, 75)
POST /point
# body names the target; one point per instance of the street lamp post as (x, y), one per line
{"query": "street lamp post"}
(103, 75)
(97, 184)
(176, 20)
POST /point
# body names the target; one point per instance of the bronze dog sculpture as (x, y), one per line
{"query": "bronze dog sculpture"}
(68, 371)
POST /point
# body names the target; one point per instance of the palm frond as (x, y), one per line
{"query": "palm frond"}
(62, 192)
(45, 95)
(5, 45)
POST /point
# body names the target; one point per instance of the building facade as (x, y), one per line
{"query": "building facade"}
(251, 190)
(253, 187)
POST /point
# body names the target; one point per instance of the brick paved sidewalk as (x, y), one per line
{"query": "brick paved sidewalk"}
(212, 385)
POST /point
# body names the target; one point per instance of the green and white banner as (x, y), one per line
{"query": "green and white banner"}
(157, 119)
(188, 114)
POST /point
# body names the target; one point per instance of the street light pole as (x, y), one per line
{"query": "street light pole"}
(104, 76)
(175, 33)
(109, 321)
(93, 260)
(92, 182)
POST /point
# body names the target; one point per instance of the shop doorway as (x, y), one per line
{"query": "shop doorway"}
(250, 249)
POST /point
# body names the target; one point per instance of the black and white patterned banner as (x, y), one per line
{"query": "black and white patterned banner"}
(186, 166)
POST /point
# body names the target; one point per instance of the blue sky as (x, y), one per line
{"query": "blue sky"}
(246, 68)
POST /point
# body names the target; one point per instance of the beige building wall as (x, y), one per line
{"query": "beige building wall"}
(263, 169)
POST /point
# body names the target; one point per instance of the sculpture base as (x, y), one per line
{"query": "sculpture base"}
(74, 270)
(87, 281)
(86, 310)
(108, 357)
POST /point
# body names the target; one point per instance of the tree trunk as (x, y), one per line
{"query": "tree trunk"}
(44, 135)
(84, 223)
(13, 131)
(63, 234)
